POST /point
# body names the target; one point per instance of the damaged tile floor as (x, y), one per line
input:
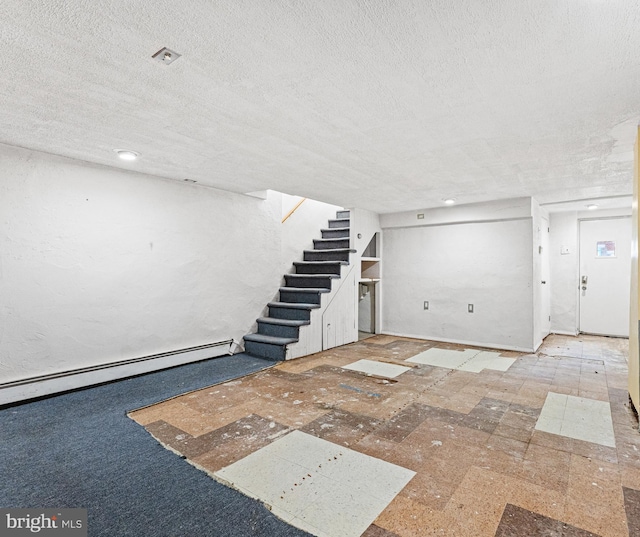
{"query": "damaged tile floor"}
(393, 436)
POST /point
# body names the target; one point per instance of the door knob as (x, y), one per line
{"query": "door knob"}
(543, 281)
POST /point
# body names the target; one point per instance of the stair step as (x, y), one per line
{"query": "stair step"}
(271, 340)
(291, 310)
(339, 223)
(283, 322)
(310, 281)
(330, 244)
(303, 295)
(335, 233)
(343, 214)
(269, 347)
(293, 305)
(319, 267)
(335, 254)
(280, 327)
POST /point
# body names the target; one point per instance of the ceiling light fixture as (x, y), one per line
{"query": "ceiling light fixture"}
(592, 207)
(125, 154)
(166, 56)
(449, 201)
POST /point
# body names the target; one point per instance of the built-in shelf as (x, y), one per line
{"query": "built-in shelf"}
(369, 269)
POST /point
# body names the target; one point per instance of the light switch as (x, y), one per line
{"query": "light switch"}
(564, 250)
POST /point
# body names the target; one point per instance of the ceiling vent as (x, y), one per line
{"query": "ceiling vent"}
(166, 56)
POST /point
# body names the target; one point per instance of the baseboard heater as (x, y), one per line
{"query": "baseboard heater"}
(41, 385)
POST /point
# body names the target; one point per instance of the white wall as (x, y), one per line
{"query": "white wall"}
(478, 254)
(99, 265)
(564, 267)
(302, 227)
(564, 272)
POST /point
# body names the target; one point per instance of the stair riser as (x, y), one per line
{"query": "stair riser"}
(338, 223)
(319, 244)
(308, 281)
(342, 214)
(289, 313)
(264, 350)
(299, 298)
(335, 233)
(278, 330)
(326, 256)
(319, 269)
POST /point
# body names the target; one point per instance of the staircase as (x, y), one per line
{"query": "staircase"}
(302, 292)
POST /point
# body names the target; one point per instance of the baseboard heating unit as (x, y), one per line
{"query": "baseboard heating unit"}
(39, 386)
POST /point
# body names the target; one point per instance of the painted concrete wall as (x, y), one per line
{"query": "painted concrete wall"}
(486, 263)
(564, 237)
(99, 265)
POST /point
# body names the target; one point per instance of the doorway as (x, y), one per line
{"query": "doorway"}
(605, 276)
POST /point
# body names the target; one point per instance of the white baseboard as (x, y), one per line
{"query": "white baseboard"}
(30, 388)
(564, 333)
(497, 346)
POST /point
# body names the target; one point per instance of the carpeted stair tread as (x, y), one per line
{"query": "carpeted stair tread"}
(305, 289)
(320, 263)
(336, 229)
(293, 305)
(331, 240)
(331, 250)
(271, 340)
(283, 322)
(318, 275)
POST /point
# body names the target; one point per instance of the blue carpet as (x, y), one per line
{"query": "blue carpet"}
(81, 450)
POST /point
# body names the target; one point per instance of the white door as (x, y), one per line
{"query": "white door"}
(545, 284)
(605, 276)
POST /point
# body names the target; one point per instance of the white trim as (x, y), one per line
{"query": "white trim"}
(14, 392)
(564, 333)
(463, 342)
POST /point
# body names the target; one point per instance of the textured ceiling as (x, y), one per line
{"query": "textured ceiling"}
(376, 104)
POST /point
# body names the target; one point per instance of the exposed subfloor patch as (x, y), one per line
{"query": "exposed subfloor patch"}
(471, 360)
(318, 486)
(577, 417)
(470, 437)
(380, 369)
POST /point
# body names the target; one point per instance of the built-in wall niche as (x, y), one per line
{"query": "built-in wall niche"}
(372, 248)
(370, 269)
(370, 262)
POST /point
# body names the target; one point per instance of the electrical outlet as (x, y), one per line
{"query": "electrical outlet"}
(470, 308)
(426, 304)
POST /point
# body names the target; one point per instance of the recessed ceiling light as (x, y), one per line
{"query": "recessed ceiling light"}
(166, 56)
(449, 201)
(125, 154)
(592, 207)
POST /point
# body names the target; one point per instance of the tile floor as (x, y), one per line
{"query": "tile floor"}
(471, 443)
